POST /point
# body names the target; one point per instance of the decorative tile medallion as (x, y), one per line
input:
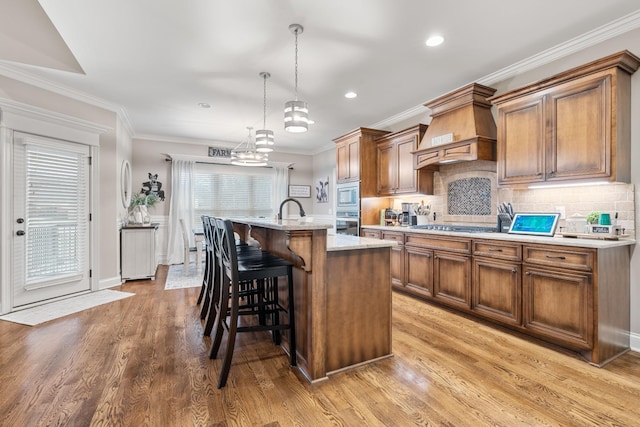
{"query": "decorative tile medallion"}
(469, 196)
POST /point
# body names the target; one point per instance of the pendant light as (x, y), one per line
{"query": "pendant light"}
(264, 136)
(296, 113)
(245, 154)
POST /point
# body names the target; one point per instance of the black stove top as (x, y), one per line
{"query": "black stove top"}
(458, 228)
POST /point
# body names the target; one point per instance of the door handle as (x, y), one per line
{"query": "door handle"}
(20, 232)
(20, 220)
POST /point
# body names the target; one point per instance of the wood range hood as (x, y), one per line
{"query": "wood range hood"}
(462, 129)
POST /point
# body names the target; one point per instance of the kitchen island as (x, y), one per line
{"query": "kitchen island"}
(342, 288)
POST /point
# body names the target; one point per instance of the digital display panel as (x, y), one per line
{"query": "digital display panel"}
(539, 224)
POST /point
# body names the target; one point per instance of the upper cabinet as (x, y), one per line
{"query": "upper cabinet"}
(461, 129)
(572, 126)
(356, 159)
(395, 164)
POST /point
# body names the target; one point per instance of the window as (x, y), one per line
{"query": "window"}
(230, 191)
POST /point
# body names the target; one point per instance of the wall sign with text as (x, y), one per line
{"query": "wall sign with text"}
(299, 191)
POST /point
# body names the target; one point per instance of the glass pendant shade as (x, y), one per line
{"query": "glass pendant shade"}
(296, 116)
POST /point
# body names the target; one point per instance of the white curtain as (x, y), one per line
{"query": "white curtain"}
(280, 188)
(181, 206)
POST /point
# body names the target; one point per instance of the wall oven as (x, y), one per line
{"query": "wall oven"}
(348, 222)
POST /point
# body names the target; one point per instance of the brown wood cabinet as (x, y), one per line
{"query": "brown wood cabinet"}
(558, 295)
(575, 297)
(356, 159)
(396, 174)
(397, 257)
(573, 126)
(497, 281)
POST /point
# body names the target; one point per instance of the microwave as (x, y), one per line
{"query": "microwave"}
(347, 196)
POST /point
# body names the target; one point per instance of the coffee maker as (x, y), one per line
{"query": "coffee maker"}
(408, 215)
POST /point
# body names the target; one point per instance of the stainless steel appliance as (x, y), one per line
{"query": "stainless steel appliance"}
(348, 222)
(348, 197)
(348, 209)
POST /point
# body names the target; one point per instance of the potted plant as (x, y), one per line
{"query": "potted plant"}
(593, 218)
(138, 208)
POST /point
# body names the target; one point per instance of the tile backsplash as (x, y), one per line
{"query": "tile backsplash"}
(461, 197)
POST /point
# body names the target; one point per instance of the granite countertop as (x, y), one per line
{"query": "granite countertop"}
(343, 242)
(304, 223)
(556, 240)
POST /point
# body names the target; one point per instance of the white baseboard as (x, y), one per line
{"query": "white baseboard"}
(635, 341)
(110, 282)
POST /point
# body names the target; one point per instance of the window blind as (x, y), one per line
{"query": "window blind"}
(229, 192)
(56, 212)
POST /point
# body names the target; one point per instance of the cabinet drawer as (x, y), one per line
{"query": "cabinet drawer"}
(497, 249)
(446, 243)
(391, 235)
(561, 257)
(373, 234)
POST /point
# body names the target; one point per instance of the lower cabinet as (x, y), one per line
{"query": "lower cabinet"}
(574, 297)
(138, 252)
(559, 306)
(497, 281)
(397, 257)
(419, 268)
(452, 279)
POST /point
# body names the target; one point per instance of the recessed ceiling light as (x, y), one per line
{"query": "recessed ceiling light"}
(204, 105)
(350, 95)
(434, 41)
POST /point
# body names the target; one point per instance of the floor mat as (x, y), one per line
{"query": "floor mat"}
(54, 310)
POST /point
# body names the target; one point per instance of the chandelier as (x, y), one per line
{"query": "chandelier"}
(245, 154)
(264, 136)
(296, 113)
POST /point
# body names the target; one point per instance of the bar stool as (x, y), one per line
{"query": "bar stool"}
(212, 288)
(257, 277)
(206, 228)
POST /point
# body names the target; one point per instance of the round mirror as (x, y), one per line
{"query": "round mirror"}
(125, 183)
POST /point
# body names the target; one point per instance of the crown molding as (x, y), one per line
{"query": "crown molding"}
(605, 32)
(22, 76)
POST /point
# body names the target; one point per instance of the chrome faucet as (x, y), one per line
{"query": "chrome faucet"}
(290, 200)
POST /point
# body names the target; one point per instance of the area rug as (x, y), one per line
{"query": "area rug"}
(54, 310)
(177, 280)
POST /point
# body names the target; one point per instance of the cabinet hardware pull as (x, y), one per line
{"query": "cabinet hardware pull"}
(527, 274)
(557, 257)
(495, 250)
(515, 270)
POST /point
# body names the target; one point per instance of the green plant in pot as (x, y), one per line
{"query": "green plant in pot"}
(593, 218)
(138, 212)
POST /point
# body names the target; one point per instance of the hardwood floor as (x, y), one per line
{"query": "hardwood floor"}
(142, 361)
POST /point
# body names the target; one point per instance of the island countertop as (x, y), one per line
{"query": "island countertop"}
(304, 223)
(342, 242)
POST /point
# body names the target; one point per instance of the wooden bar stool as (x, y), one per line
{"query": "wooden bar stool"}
(212, 288)
(255, 277)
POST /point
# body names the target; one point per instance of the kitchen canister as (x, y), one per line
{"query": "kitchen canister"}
(577, 223)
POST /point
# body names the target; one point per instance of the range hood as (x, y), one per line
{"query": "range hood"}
(461, 129)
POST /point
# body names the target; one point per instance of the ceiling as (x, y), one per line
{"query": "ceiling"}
(154, 61)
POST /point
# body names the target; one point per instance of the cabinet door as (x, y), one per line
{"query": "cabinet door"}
(387, 166)
(452, 279)
(558, 306)
(419, 268)
(521, 136)
(397, 257)
(406, 176)
(496, 290)
(342, 157)
(354, 160)
(579, 141)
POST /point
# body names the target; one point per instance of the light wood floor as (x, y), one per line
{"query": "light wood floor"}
(142, 361)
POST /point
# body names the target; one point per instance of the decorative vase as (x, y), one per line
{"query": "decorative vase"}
(139, 215)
